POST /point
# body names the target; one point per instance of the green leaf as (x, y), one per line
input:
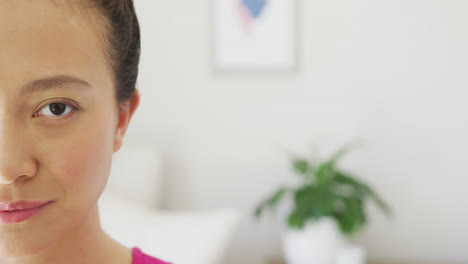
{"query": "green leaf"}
(314, 202)
(352, 218)
(259, 210)
(342, 151)
(324, 172)
(301, 166)
(364, 189)
(271, 202)
(296, 220)
(274, 200)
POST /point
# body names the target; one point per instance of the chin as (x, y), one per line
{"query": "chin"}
(12, 247)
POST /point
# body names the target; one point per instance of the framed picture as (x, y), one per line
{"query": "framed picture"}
(254, 35)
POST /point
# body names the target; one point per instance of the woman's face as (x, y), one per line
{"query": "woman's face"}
(57, 135)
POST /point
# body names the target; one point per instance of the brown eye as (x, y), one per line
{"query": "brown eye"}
(56, 109)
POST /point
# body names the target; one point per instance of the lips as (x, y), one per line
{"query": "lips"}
(15, 212)
(21, 205)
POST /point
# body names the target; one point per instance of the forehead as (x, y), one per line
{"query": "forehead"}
(39, 39)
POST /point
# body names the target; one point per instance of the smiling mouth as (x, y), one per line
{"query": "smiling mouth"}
(20, 211)
(21, 205)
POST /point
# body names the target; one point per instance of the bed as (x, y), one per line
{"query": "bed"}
(131, 214)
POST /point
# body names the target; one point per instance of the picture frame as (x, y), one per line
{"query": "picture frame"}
(254, 35)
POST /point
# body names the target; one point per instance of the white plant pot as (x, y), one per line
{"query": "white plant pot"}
(351, 254)
(317, 243)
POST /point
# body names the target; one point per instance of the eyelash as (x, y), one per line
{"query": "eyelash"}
(71, 108)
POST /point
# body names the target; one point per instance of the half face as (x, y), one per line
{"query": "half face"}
(58, 118)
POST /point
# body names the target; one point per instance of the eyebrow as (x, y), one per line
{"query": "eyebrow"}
(53, 82)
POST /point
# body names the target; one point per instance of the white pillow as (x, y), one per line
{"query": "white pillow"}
(136, 173)
(180, 237)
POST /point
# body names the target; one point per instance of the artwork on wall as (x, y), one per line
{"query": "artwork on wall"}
(254, 35)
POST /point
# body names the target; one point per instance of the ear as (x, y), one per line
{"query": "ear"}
(126, 111)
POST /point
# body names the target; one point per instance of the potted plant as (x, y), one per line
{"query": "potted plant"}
(327, 208)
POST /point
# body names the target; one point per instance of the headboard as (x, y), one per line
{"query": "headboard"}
(136, 174)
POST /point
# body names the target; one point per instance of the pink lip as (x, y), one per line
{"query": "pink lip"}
(20, 211)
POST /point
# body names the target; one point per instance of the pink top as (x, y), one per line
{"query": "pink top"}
(141, 258)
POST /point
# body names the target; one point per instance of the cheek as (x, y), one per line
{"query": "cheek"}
(80, 161)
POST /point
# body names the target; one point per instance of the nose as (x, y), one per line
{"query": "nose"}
(16, 163)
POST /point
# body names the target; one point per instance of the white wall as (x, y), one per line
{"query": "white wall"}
(391, 72)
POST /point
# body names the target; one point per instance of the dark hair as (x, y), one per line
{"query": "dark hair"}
(123, 41)
(120, 33)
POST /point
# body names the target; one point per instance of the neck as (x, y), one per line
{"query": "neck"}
(87, 243)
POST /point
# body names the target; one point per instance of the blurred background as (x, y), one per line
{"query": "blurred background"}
(392, 73)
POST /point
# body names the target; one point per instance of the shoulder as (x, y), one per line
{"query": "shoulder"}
(139, 257)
